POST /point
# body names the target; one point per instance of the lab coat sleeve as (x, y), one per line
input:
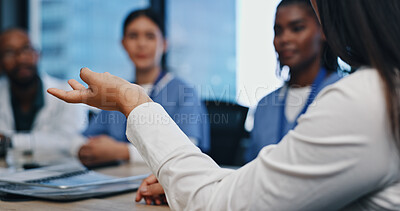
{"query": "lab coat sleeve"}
(324, 163)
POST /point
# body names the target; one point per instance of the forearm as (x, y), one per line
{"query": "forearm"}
(134, 155)
(163, 145)
(303, 169)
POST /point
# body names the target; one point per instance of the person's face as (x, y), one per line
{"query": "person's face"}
(18, 59)
(298, 37)
(144, 43)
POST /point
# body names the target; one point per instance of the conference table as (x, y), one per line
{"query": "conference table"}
(124, 201)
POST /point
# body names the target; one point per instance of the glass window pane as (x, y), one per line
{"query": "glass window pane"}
(81, 33)
(202, 45)
(256, 53)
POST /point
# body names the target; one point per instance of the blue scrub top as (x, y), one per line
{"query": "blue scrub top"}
(266, 129)
(179, 100)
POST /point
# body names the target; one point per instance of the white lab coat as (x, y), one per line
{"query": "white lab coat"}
(341, 156)
(57, 126)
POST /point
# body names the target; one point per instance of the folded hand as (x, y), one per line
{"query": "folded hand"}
(151, 191)
(103, 149)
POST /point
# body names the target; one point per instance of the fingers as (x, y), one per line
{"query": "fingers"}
(76, 85)
(145, 183)
(74, 96)
(56, 92)
(91, 77)
(151, 179)
(152, 190)
(86, 75)
(148, 200)
(138, 194)
(158, 200)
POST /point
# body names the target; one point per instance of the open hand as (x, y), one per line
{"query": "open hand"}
(105, 91)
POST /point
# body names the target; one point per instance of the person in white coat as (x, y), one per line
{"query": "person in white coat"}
(27, 112)
(344, 154)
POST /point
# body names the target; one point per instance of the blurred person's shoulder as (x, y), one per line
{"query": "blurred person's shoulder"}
(179, 83)
(273, 98)
(177, 80)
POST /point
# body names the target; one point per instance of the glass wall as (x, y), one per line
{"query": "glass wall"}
(202, 45)
(256, 69)
(81, 33)
(224, 48)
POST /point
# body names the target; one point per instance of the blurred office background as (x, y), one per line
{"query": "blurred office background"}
(223, 47)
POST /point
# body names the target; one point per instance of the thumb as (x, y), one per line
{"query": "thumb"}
(87, 75)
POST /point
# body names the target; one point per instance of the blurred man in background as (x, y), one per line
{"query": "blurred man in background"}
(28, 115)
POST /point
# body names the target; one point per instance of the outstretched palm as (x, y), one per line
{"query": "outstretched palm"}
(105, 91)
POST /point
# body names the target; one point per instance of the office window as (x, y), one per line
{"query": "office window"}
(257, 61)
(224, 47)
(202, 45)
(81, 33)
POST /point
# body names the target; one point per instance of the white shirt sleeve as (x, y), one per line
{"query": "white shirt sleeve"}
(135, 157)
(341, 150)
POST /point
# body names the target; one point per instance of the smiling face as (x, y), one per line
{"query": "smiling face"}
(298, 36)
(18, 59)
(144, 43)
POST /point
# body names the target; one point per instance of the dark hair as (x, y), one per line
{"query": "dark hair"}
(147, 13)
(366, 32)
(329, 59)
(153, 16)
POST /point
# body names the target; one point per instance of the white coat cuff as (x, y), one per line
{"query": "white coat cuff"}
(153, 132)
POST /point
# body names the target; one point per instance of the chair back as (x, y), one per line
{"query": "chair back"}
(226, 131)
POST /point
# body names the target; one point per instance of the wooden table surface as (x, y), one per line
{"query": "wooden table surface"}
(124, 201)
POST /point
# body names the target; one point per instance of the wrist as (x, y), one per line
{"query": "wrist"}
(131, 96)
